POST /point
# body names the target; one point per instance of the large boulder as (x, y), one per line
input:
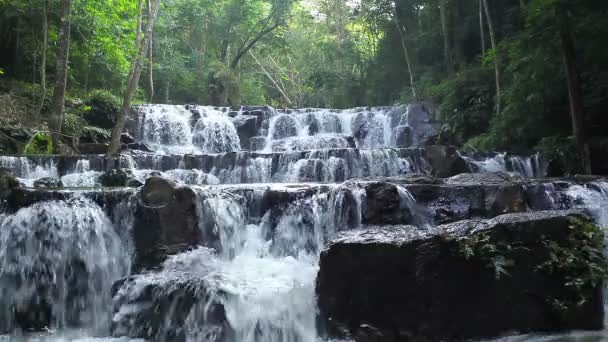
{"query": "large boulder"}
(172, 309)
(166, 222)
(445, 161)
(516, 273)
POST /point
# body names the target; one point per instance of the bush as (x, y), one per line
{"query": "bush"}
(39, 144)
(103, 109)
(93, 134)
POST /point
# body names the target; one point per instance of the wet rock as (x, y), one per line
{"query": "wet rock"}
(134, 183)
(445, 161)
(246, 127)
(423, 127)
(285, 126)
(416, 178)
(165, 222)
(139, 147)
(8, 182)
(171, 310)
(314, 126)
(483, 178)
(93, 148)
(383, 205)
(403, 135)
(114, 178)
(360, 127)
(48, 182)
(126, 138)
(465, 280)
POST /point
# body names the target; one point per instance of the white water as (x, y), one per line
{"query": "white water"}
(171, 130)
(61, 255)
(528, 167)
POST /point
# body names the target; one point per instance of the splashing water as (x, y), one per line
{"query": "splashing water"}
(58, 262)
(592, 197)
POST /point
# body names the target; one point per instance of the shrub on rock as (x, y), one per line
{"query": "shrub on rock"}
(524, 272)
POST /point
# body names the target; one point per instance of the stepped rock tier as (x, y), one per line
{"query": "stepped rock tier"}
(302, 225)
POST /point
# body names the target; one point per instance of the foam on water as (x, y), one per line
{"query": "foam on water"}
(58, 263)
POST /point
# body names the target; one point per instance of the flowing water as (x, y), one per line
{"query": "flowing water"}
(60, 258)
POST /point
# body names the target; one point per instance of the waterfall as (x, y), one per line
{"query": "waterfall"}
(177, 130)
(592, 197)
(58, 263)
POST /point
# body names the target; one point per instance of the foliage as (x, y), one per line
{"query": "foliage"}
(101, 108)
(39, 144)
(579, 258)
(333, 53)
(494, 254)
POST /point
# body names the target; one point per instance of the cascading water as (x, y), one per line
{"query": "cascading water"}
(58, 263)
(261, 274)
(177, 130)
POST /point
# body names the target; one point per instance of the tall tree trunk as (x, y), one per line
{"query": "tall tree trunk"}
(522, 5)
(443, 8)
(45, 44)
(151, 67)
(574, 90)
(496, 61)
(137, 67)
(61, 74)
(401, 31)
(482, 30)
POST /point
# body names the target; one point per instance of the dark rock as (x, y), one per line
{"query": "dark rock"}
(445, 161)
(114, 178)
(134, 183)
(285, 126)
(93, 148)
(360, 127)
(8, 182)
(313, 124)
(414, 285)
(161, 311)
(126, 138)
(403, 135)
(246, 127)
(48, 182)
(598, 149)
(139, 147)
(383, 205)
(165, 222)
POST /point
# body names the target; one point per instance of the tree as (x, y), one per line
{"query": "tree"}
(495, 50)
(61, 74)
(574, 88)
(136, 69)
(45, 44)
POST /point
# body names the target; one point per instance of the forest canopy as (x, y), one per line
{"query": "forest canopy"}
(497, 72)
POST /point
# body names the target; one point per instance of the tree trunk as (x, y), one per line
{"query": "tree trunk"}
(45, 44)
(444, 32)
(137, 67)
(522, 5)
(405, 50)
(574, 90)
(482, 30)
(61, 74)
(496, 62)
(151, 67)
